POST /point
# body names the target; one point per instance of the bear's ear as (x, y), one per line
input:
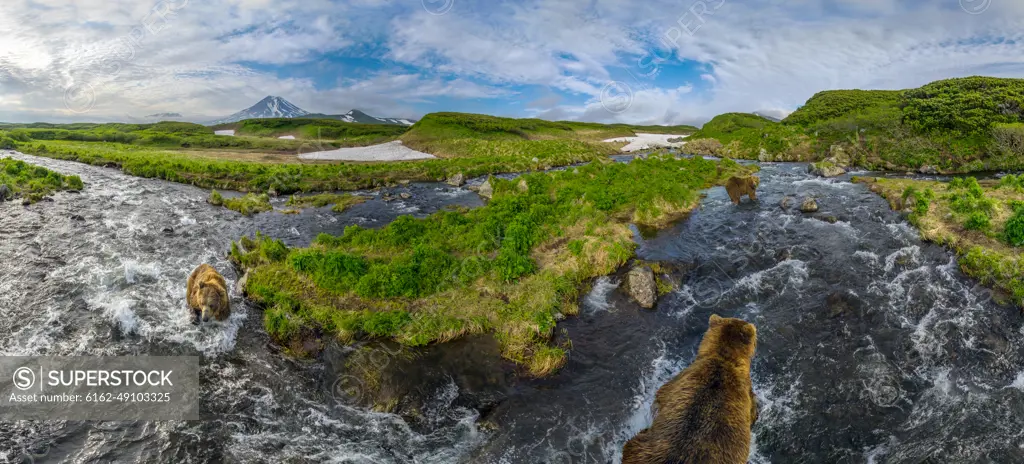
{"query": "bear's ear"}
(715, 319)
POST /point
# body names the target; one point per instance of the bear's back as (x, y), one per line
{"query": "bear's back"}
(703, 415)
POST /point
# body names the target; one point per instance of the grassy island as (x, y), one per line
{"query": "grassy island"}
(33, 183)
(512, 268)
(982, 222)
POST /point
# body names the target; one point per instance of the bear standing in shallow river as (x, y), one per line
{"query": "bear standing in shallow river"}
(739, 186)
(208, 294)
(704, 414)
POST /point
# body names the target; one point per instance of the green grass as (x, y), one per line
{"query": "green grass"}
(510, 269)
(451, 135)
(955, 125)
(247, 204)
(327, 130)
(749, 136)
(983, 224)
(33, 183)
(186, 168)
(472, 145)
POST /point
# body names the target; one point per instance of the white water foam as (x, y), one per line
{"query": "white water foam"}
(597, 299)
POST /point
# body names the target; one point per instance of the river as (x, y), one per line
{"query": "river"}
(872, 346)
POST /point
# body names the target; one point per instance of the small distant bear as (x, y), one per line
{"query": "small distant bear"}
(739, 186)
(705, 413)
(208, 294)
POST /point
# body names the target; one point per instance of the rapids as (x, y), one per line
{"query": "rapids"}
(872, 346)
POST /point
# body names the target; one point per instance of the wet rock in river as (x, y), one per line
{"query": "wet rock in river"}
(842, 304)
(486, 190)
(5, 193)
(405, 195)
(809, 205)
(457, 180)
(786, 203)
(640, 285)
(825, 169)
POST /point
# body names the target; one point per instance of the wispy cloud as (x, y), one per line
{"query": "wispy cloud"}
(203, 59)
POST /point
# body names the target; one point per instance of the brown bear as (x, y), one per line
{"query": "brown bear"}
(739, 186)
(208, 294)
(705, 413)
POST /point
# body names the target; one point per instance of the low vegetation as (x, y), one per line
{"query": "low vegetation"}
(341, 202)
(983, 224)
(19, 179)
(472, 135)
(330, 131)
(471, 145)
(512, 268)
(247, 204)
(953, 126)
(749, 136)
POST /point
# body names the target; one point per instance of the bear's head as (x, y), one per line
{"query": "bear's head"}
(213, 301)
(753, 182)
(730, 338)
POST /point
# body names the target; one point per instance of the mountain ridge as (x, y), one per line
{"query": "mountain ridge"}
(277, 107)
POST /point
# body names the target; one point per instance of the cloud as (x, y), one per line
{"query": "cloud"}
(211, 58)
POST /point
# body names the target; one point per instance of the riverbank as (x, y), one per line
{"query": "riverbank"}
(19, 179)
(511, 269)
(983, 224)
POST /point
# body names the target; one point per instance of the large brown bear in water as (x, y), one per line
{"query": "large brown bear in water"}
(704, 414)
(739, 186)
(208, 294)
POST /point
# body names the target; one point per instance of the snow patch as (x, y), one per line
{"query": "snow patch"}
(391, 151)
(648, 141)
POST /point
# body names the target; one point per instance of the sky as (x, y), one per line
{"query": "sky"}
(633, 61)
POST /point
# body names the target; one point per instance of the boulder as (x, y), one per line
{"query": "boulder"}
(457, 180)
(5, 192)
(809, 205)
(786, 203)
(930, 170)
(522, 186)
(405, 195)
(486, 190)
(640, 285)
(240, 285)
(825, 169)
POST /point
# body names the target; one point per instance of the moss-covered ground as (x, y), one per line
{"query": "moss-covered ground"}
(33, 183)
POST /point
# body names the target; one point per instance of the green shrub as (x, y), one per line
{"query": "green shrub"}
(1014, 229)
(274, 250)
(978, 221)
(216, 199)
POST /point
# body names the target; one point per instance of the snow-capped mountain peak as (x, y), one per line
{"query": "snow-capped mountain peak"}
(269, 107)
(277, 107)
